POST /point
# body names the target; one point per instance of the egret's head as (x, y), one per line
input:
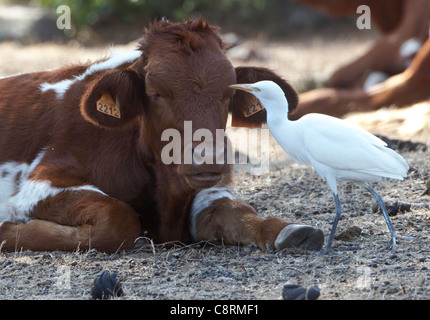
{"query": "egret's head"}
(269, 93)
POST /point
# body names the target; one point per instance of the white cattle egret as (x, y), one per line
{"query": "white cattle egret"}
(336, 149)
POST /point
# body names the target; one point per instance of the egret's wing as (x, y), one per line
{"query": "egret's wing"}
(348, 148)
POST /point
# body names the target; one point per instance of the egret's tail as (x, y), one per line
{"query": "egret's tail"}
(392, 164)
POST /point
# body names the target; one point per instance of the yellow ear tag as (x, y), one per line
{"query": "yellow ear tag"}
(254, 108)
(107, 106)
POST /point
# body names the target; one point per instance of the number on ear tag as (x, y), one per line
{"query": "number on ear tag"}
(254, 108)
(107, 106)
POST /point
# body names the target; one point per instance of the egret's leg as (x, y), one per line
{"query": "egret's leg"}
(394, 236)
(327, 248)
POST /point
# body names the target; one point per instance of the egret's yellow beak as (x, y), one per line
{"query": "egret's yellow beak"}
(244, 87)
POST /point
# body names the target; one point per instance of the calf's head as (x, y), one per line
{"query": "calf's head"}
(177, 93)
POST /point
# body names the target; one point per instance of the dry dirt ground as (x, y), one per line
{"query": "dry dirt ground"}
(290, 191)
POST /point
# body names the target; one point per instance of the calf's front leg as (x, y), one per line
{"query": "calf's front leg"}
(216, 214)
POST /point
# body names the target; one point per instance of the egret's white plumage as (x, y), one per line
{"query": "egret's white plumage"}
(336, 149)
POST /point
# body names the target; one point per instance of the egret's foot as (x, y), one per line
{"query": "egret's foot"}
(301, 237)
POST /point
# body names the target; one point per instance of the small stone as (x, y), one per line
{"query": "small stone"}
(106, 286)
(349, 234)
(297, 292)
(393, 208)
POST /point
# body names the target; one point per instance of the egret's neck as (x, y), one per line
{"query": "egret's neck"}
(275, 120)
(278, 116)
(285, 133)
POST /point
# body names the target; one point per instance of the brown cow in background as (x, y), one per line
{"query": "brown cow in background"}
(402, 54)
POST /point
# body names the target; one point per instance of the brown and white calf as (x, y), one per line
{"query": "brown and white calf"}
(77, 174)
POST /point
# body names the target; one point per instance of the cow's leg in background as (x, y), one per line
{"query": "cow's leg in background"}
(391, 54)
(404, 89)
(74, 220)
(217, 215)
(403, 25)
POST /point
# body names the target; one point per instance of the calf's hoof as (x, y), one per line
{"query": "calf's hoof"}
(301, 237)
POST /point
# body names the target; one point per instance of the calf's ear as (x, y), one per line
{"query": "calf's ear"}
(244, 108)
(114, 100)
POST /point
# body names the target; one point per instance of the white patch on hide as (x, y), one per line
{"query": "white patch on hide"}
(203, 200)
(115, 60)
(19, 195)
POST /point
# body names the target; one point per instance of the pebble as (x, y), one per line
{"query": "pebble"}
(393, 208)
(349, 234)
(297, 292)
(106, 286)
